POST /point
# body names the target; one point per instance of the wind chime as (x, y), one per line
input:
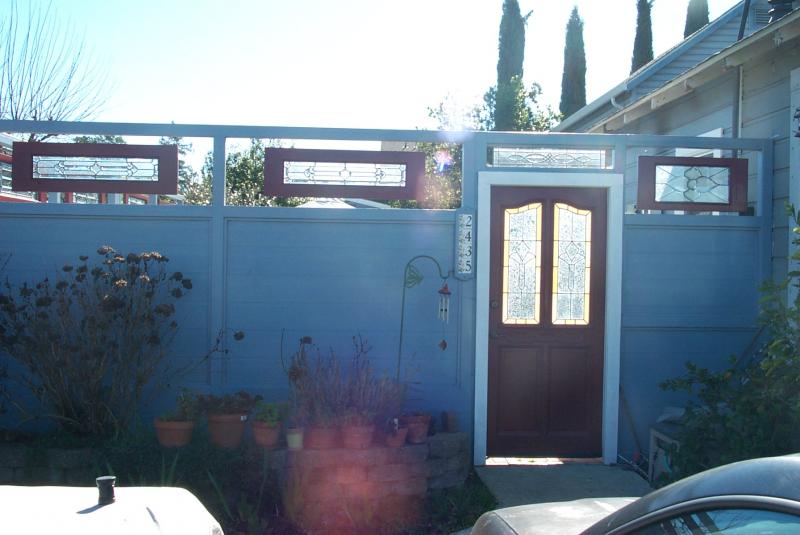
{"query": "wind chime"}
(444, 311)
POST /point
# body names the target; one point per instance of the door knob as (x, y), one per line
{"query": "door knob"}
(494, 335)
(494, 303)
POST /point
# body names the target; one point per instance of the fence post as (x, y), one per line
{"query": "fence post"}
(217, 275)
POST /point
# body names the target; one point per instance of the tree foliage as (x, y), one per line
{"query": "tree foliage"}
(528, 115)
(511, 55)
(45, 71)
(643, 43)
(752, 407)
(696, 16)
(244, 179)
(573, 81)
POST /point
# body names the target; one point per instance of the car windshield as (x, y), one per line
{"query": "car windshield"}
(726, 522)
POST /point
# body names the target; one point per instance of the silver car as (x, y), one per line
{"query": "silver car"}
(759, 496)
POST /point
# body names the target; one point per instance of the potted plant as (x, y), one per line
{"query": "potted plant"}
(418, 424)
(226, 416)
(174, 429)
(267, 419)
(357, 430)
(315, 395)
(395, 434)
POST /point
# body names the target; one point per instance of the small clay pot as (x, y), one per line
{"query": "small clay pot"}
(172, 434)
(417, 425)
(294, 438)
(321, 438)
(397, 438)
(226, 430)
(357, 437)
(265, 435)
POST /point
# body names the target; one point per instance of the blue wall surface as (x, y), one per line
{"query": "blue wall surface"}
(689, 292)
(325, 273)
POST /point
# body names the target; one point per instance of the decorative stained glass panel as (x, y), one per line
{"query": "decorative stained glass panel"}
(344, 174)
(85, 168)
(360, 174)
(95, 168)
(522, 265)
(692, 184)
(572, 243)
(552, 157)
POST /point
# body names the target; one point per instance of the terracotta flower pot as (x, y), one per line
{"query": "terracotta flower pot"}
(398, 438)
(417, 427)
(321, 438)
(173, 434)
(357, 437)
(294, 438)
(266, 436)
(226, 430)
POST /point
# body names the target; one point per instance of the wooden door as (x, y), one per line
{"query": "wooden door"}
(546, 321)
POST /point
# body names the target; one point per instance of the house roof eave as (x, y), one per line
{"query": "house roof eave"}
(647, 70)
(760, 42)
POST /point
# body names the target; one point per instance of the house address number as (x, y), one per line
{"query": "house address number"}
(465, 243)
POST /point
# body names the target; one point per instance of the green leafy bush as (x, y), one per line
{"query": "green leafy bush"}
(91, 342)
(751, 408)
(270, 414)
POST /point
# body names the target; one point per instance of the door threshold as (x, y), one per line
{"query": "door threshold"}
(540, 461)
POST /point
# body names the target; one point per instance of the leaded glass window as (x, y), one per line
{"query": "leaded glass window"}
(694, 184)
(572, 243)
(522, 265)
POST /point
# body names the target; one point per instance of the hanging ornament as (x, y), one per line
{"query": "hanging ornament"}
(444, 303)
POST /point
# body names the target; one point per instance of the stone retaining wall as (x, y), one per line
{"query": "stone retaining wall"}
(20, 464)
(339, 490)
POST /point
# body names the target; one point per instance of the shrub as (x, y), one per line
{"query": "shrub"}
(751, 408)
(322, 393)
(91, 342)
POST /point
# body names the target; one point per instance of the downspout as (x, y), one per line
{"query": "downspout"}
(736, 119)
(614, 103)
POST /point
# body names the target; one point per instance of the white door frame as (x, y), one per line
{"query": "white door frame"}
(614, 183)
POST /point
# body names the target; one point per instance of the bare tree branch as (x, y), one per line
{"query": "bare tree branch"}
(46, 73)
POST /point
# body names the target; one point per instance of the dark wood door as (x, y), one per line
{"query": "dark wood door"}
(546, 321)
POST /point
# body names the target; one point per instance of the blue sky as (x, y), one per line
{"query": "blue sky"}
(352, 63)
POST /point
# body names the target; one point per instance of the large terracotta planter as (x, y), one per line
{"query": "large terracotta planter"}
(321, 438)
(266, 436)
(397, 438)
(173, 434)
(294, 438)
(226, 430)
(417, 425)
(357, 437)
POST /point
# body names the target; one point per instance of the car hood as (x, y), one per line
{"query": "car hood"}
(564, 518)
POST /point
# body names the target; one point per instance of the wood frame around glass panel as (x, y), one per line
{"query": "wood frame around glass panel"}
(22, 169)
(737, 184)
(275, 158)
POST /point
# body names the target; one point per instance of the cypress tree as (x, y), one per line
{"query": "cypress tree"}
(509, 64)
(573, 81)
(696, 16)
(643, 44)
